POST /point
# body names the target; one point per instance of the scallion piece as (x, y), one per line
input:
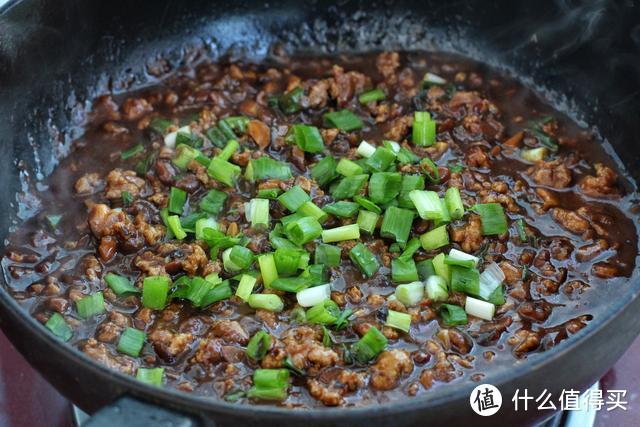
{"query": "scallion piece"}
(465, 280)
(365, 149)
(184, 155)
(364, 259)
(384, 186)
(229, 149)
(173, 222)
(90, 305)
(267, 168)
(492, 218)
(226, 129)
(436, 238)
(349, 186)
(120, 284)
(219, 292)
(453, 315)
(269, 193)
(204, 223)
(433, 79)
(237, 258)
(328, 255)
(311, 209)
(258, 346)
(427, 204)
(57, 325)
(464, 263)
(437, 289)
(534, 154)
(160, 124)
(289, 284)
(440, 268)
(369, 346)
(177, 199)
(287, 260)
(132, 152)
(314, 296)
(303, 230)
(491, 281)
(316, 274)
(403, 270)
(371, 96)
(396, 224)
(213, 202)
(347, 167)
(325, 313)
(410, 294)
(131, 342)
(269, 302)
(424, 129)
(454, 203)
(268, 269)
(398, 320)
(368, 204)
(338, 234)
(155, 290)
(411, 247)
(425, 269)
(367, 221)
(245, 286)
(269, 384)
(257, 212)
(409, 183)
(342, 209)
(293, 198)
(522, 231)
(152, 376)
(223, 171)
(286, 220)
(457, 255)
(324, 171)
(344, 120)
(478, 308)
(127, 198)
(308, 138)
(381, 159)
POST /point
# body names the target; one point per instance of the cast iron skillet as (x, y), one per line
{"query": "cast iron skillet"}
(54, 55)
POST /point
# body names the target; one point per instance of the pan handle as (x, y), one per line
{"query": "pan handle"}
(130, 412)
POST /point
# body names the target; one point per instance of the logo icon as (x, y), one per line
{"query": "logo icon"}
(485, 400)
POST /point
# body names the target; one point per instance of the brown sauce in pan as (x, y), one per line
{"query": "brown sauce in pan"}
(576, 204)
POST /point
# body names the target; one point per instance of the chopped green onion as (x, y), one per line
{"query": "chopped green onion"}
(347, 167)
(371, 96)
(216, 136)
(269, 193)
(127, 198)
(328, 255)
(173, 222)
(57, 325)
(412, 246)
(258, 346)
(457, 255)
(324, 171)
(522, 232)
(349, 186)
(424, 129)
(155, 290)
(363, 258)
(188, 222)
(257, 212)
(152, 376)
(381, 159)
(90, 305)
(289, 284)
(229, 149)
(478, 308)
(338, 234)
(219, 292)
(132, 152)
(293, 198)
(398, 320)
(367, 221)
(286, 220)
(245, 287)
(287, 260)
(238, 123)
(369, 346)
(490, 280)
(367, 204)
(342, 209)
(268, 269)
(492, 218)
(436, 238)
(237, 258)
(223, 171)
(365, 149)
(453, 315)
(160, 124)
(433, 79)
(308, 138)
(164, 216)
(226, 129)
(188, 139)
(213, 202)
(267, 168)
(403, 270)
(269, 302)
(465, 280)
(410, 294)
(344, 120)
(431, 170)
(440, 268)
(535, 154)
(384, 186)
(184, 155)
(303, 230)
(119, 284)
(325, 313)
(204, 223)
(131, 342)
(409, 183)
(545, 140)
(177, 199)
(464, 263)
(316, 274)
(311, 209)
(288, 102)
(396, 224)
(406, 156)
(427, 204)
(425, 269)
(269, 384)
(454, 203)
(437, 289)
